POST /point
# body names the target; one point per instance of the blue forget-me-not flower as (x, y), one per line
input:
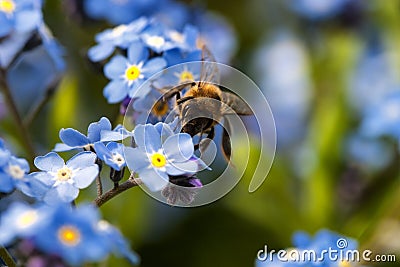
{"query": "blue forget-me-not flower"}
(65, 179)
(155, 160)
(127, 74)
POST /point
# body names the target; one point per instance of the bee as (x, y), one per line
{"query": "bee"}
(204, 104)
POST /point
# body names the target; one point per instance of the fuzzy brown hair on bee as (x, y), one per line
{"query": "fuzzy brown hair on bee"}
(204, 105)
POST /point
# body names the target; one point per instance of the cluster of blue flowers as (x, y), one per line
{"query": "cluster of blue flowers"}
(160, 157)
(215, 30)
(147, 46)
(75, 235)
(159, 154)
(324, 240)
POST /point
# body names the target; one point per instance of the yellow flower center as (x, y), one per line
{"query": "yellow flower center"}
(69, 235)
(16, 172)
(132, 73)
(64, 174)
(186, 76)
(27, 218)
(160, 108)
(7, 6)
(158, 160)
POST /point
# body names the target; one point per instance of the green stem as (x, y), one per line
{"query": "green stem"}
(23, 131)
(6, 257)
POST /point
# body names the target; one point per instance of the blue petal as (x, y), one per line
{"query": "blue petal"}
(95, 129)
(100, 51)
(137, 52)
(61, 147)
(115, 91)
(49, 162)
(86, 176)
(22, 163)
(27, 20)
(153, 179)
(6, 25)
(138, 91)
(33, 188)
(119, 133)
(72, 137)
(136, 159)
(147, 137)
(153, 66)
(64, 192)
(179, 168)
(116, 67)
(82, 160)
(115, 147)
(43, 177)
(179, 147)
(101, 150)
(6, 183)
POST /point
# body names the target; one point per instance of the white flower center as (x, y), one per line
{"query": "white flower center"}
(156, 41)
(119, 31)
(176, 36)
(118, 159)
(64, 174)
(16, 172)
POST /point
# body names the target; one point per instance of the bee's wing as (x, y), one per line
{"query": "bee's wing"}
(209, 69)
(236, 104)
(226, 141)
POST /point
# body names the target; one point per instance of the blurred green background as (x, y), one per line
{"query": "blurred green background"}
(325, 191)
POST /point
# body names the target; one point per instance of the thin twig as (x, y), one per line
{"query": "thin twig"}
(7, 258)
(23, 131)
(131, 182)
(99, 186)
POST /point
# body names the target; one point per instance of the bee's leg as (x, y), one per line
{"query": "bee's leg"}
(226, 141)
(184, 99)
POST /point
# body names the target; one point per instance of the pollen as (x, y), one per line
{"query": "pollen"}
(27, 219)
(186, 76)
(64, 174)
(132, 73)
(160, 108)
(7, 6)
(158, 160)
(16, 172)
(69, 235)
(156, 41)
